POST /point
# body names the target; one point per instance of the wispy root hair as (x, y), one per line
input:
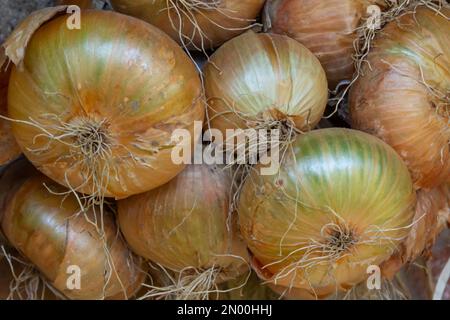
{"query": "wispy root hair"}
(188, 11)
(26, 283)
(367, 32)
(190, 283)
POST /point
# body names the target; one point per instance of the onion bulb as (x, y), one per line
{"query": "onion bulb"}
(185, 226)
(94, 109)
(343, 201)
(402, 95)
(9, 149)
(61, 241)
(256, 79)
(195, 24)
(327, 28)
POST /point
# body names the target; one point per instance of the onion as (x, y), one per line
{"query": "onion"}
(51, 232)
(94, 109)
(195, 24)
(257, 79)
(341, 202)
(9, 148)
(403, 95)
(185, 226)
(327, 28)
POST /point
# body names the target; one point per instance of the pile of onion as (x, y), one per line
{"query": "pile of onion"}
(9, 149)
(195, 24)
(264, 81)
(327, 28)
(402, 95)
(50, 231)
(186, 228)
(94, 108)
(343, 201)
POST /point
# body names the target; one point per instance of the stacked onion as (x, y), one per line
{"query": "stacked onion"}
(402, 95)
(258, 79)
(186, 227)
(94, 108)
(343, 201)
(195, 24)
(50, 231)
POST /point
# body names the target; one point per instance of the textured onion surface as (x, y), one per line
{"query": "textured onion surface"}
(185, 223)
(403, 97)
(327, 28)
(197, 24)
(262, 76)
(51, 232)
(342, 201)
(104, 101)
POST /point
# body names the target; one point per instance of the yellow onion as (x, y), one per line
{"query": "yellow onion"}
(256, 78)
(185, 226)
(195, 24)
(94, 109)
(343, 201)
(402, 95)
(327, 28)
(254, 289)
(9, 149)
(51, 232)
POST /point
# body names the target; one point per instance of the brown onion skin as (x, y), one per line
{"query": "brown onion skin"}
(327, 28)
(9, 149)
(391, 101)
(184, 223)
(431, 217)
(239, 16)
(45, 229)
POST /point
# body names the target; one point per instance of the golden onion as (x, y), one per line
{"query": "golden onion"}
(51, 232)
(327, 28)
(402, 95)
(343, 201)
(195, 24)
(185, 226)
(257, 78)
(94, 109)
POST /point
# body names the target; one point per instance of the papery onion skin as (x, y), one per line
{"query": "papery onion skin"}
(264, 76)
(116, 71)
(337, 172)
(431, 213)
(393, 98)
(229, 19)
(185, 223)
(9, 147)
(327, 28)
(50, 231)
